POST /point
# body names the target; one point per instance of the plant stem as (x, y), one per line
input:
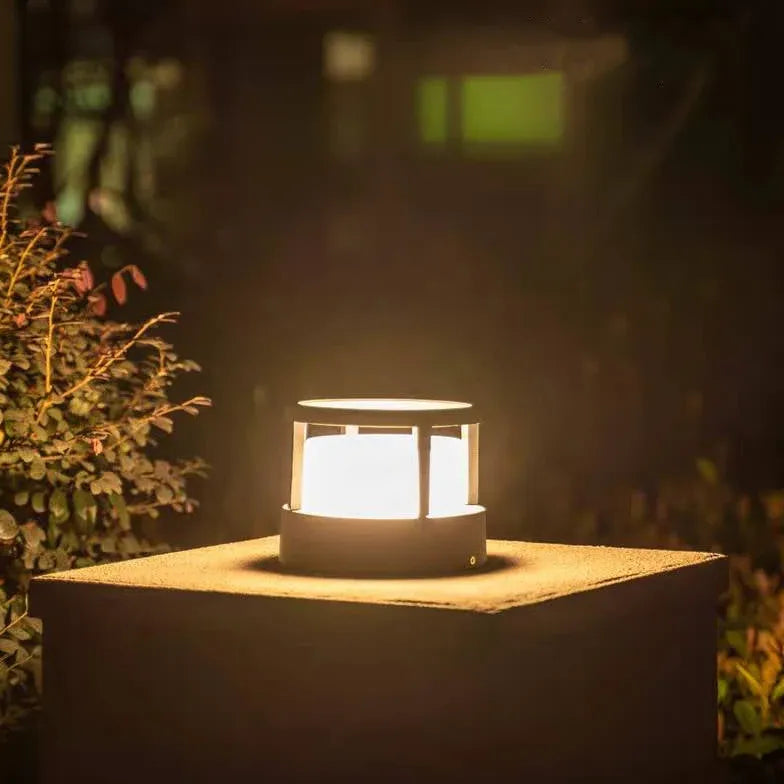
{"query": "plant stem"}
(49, 346)
(7, 191)
(20, 264)
(103, 364)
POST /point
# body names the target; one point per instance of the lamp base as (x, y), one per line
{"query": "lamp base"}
(402, 547)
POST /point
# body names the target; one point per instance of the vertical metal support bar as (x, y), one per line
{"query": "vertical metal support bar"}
(422, 435)
(297, 458)
(470, 434)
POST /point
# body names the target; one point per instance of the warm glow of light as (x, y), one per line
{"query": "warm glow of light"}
(384, 404)
(348, 57)
(376, 475)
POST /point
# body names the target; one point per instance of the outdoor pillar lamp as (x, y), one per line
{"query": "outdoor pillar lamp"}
(370, 677)
(384, 486)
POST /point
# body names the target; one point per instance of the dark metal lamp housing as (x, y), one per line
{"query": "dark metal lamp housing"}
(384, 486)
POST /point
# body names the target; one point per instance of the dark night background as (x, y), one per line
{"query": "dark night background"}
(611, 301)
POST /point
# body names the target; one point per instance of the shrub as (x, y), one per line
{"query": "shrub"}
(83, 399)
(751, 663)
(707, 513)
(704, 511)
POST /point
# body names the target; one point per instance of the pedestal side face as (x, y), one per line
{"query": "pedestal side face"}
(610, 683)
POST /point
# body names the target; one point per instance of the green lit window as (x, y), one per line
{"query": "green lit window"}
(516, 110)
(512, 109)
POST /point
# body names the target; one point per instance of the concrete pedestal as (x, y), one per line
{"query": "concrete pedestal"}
(554, 664)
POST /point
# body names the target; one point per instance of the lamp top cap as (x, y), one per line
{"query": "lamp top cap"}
(385, 412)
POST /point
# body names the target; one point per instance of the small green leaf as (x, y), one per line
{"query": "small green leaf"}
(52, 533)
(79, 407)
(39, 502)
(163, 423)
(737, 640)
(164, 494)
(18, 632)
(37, 469)
(118, 504)
(21, 498)
(8, 527)
(722, 690)
(707, 470)
(129, 545)
(8, 646)
(70, 541)
(110, 482)
(62, 560)
(754, 685)
(747, 717)
(58, 503)
(778, 691)
(33, 534)
(58, 518)
(5, 366)
(85, 508)
(758, 746)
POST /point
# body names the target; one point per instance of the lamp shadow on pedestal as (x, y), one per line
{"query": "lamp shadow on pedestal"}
(272, 564)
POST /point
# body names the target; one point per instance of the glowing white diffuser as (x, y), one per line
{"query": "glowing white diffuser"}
(384, 486)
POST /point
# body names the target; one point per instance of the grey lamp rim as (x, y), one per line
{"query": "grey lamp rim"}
(423, 412)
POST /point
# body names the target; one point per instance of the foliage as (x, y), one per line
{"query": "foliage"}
(751, 614)
(703, 511)
(751, 663)
(82, 399)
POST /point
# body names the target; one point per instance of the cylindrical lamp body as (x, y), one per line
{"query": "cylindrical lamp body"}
(391, 492)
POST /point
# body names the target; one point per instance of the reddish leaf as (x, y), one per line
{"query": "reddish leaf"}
(96, 445)
(98, 304)
(138, 276)
(118, 288)
(87, 277)
(20, 319)
(49, 212)
(77, 279)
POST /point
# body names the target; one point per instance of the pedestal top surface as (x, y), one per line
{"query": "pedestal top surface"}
(518, 573)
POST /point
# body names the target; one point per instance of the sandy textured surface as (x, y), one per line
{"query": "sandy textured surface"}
(519, 573)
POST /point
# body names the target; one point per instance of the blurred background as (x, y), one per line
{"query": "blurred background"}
(566, 212)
